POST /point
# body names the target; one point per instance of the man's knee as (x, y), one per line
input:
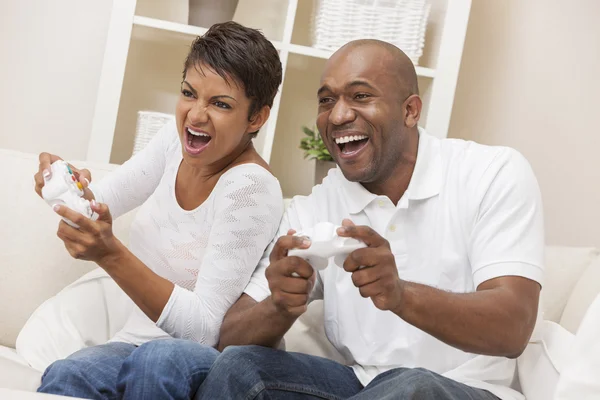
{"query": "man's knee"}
(420, 383)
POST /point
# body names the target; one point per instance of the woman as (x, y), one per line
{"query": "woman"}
(209, 208)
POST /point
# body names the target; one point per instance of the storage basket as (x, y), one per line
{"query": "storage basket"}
(148, 124)
(400, 22)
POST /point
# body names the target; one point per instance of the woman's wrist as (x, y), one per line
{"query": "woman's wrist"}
(115, 257)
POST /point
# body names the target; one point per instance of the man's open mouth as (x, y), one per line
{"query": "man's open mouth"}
(351, 144)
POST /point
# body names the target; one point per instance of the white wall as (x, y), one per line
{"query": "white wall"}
(530, 79)
(49, 73)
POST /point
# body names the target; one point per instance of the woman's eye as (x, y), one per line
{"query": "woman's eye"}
(220, 104)
(187, 93)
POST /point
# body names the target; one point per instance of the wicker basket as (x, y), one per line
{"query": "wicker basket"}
(400, 22)
(148, 124)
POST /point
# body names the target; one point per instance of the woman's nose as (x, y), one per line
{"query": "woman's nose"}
(198, 113)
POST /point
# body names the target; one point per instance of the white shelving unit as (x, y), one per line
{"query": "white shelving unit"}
(148, 40)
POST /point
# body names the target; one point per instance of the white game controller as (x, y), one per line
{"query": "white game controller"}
(63, 188)
(325, 243)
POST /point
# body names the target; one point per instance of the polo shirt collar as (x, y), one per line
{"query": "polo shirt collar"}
(424, 183)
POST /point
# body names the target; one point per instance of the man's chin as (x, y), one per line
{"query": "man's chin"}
(353, 173)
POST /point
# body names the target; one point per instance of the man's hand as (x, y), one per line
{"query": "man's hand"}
(94, 240)
(45, 172)
(373, 268)
(291, 279)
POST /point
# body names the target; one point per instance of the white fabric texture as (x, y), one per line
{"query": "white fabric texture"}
(471, 213)
(580, 378)
(209, 253)
(540, 364)
(583, 294)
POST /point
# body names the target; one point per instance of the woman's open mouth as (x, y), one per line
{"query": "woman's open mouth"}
(351, 145)
(196, 141)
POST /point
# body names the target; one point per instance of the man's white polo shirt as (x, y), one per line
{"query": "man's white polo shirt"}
(471, 213)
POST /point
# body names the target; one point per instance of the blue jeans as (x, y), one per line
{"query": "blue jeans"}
(160, 369)
(254, 372)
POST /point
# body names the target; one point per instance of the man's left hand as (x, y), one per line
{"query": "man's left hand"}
(373, 268)
(94, 240)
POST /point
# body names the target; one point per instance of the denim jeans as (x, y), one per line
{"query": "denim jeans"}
(254, 372)
(160, 369)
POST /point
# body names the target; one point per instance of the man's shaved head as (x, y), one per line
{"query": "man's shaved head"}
(406, 74)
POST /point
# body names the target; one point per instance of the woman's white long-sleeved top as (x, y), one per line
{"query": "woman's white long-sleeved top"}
(209, 253)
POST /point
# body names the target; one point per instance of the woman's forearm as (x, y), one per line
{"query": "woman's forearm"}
(149, 291)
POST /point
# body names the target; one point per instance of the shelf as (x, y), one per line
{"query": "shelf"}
(174, 27)
(193, 31)
(318, 53)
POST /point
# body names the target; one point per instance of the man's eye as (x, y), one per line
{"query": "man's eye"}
(324, 100)
(220, 104)
(361, 96)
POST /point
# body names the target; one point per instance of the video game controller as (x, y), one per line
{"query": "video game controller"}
(63, 188)
(325, 243)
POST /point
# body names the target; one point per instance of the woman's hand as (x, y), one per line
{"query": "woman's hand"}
(94, 240)
(45, 173)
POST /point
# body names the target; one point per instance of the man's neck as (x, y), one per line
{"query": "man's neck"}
(395, 183)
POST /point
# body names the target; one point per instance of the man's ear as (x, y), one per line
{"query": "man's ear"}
(412, 107)
(258, 119)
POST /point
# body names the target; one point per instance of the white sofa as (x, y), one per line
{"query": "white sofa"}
(35, 267)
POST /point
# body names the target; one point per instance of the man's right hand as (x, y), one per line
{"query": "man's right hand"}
(291, 279)
(45, 172)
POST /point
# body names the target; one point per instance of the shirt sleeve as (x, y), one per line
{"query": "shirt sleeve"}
(247, 212)
(508, 234)
(132, 183)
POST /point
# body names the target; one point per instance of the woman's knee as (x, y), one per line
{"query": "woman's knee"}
(157, 355)
(63, 369)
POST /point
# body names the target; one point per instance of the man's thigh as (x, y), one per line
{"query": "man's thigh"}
(255, 372)
(417, 384)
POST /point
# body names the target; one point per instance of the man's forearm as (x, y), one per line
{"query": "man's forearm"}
(248, 322)
(492, 322)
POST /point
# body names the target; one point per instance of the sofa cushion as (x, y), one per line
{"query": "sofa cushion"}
(564, 266)
(86, 313)
(540, 364)
(579, 377)
(14, 374)
(584, 292)
(35, 265)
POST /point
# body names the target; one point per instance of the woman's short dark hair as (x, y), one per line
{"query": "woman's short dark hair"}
(242, 54)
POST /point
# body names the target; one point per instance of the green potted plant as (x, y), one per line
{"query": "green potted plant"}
(314, 148)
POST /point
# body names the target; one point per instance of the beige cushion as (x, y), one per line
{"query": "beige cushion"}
(584, 292)
(564, 266)
(35, 265)
(15, 374)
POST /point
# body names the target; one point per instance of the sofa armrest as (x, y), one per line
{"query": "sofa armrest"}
(86, 313)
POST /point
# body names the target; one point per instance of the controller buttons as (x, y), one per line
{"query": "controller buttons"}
(79, 186)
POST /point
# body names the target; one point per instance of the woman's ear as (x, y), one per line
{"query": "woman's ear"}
(258, 119)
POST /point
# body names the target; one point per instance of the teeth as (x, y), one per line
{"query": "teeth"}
(191, 132)
(346, 139)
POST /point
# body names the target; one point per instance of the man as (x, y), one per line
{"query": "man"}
(447, 297)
